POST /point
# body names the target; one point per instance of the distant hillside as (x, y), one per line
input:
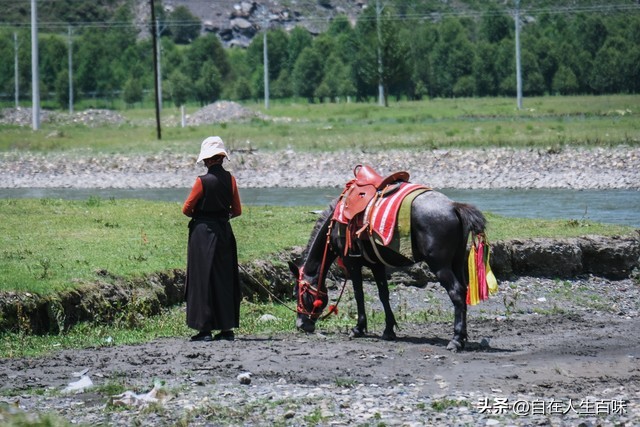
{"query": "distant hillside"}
(237, 21)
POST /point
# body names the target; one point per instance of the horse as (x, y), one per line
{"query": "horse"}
(440, 228)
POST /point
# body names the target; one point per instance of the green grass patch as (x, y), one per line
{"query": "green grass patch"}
(49, 245)
(435, 123)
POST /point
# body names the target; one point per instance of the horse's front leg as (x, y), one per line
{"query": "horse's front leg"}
(356, 279)
(458, 295)
(380, 275)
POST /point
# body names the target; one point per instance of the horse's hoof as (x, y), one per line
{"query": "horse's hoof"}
(454, 346)
(356, 333)
(389, 336)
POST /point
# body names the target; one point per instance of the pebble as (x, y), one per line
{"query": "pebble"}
(464, 168)
(261, 169)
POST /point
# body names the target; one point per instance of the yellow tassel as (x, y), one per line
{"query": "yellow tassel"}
(472, 291)
(492, 283)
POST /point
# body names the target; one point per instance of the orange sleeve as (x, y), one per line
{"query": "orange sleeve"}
(236, 207)
(195, 195)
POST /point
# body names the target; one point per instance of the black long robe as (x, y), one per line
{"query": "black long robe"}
(212, 290)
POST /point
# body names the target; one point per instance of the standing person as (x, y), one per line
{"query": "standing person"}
(212, 290)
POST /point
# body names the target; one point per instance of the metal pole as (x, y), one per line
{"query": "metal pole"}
(380, 67)
(159, 62)
(155, 68)
(518, 66)
(35, 77)
(70, 73)
(266, 67)
(16, 69)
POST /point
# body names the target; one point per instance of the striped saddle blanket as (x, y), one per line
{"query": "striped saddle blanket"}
(381, 217)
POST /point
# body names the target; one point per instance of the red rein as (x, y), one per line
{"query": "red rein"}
(317, 293)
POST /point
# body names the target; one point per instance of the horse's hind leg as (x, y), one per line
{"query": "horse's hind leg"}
(458, 295)
(356, 279)
(380, 275)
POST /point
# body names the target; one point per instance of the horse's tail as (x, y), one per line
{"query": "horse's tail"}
(473, 221)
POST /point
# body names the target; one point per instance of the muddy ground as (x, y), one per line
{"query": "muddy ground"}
(537, 340)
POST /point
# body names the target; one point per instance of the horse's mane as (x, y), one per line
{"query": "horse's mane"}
(322, 220)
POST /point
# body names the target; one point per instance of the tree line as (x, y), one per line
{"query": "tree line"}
(411, 58)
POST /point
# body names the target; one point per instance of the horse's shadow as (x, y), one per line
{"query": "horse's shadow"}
(470, 346)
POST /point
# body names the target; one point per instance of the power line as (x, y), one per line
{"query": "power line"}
(323, 20)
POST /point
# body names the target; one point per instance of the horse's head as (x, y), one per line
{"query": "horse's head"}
(311, 297)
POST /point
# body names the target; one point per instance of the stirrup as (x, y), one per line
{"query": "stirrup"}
(355, 251)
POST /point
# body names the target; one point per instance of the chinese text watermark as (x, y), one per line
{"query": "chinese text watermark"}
(522, 407)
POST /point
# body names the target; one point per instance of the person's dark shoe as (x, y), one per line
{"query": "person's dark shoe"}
(224, 335)
(202, 336)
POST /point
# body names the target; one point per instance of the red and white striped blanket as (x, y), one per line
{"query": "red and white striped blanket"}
(381, 213)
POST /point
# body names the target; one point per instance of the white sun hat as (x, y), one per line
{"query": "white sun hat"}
(212, 146)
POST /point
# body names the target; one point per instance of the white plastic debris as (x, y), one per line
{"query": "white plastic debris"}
(79, 386)
(129, 398)
(80, 374)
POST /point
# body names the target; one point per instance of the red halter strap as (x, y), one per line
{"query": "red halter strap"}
(305, 287)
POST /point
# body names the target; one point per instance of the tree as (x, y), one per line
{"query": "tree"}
(421, 39)
(184, 26)
(282, 87)
(207, 48)
(132, 92)
(591, 33)
(607, 74)
(382, 56)
(179, 87)
(307, 73)
(330, 85)
(495, 25)
(241, 89)
(451, 58)
(548, 60)
(277, 44)
(532, 80)
(53, 59)
(209, 85)
(339, 25)
(62, 89)
(484, 70)
(564, 81)
(299, 39)
(95, 61)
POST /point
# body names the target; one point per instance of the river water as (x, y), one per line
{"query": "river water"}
(606, 206)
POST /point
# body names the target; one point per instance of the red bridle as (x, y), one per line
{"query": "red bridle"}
(305, 287)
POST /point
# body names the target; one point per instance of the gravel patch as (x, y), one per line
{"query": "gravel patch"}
(541, 352)
(575, 168)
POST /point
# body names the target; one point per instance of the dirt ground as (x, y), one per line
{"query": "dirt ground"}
(559, 340)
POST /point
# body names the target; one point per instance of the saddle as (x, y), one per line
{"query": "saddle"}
(364, 187)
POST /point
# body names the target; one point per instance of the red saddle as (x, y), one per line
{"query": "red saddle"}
(363, 188)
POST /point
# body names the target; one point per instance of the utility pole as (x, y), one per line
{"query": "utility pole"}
(159, 47)
(265, 56)
(380, 65)
(35, 76)
(518, 67)
(16, 69)
(70, 73)
(155, 68)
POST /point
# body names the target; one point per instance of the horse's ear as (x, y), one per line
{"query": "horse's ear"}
(295, 270)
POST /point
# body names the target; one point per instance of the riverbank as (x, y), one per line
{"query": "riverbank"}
(574, 168)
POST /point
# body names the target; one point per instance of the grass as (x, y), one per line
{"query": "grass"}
(49, 245)
(438, 123)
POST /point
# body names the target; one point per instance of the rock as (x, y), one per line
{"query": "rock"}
(244, 378)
